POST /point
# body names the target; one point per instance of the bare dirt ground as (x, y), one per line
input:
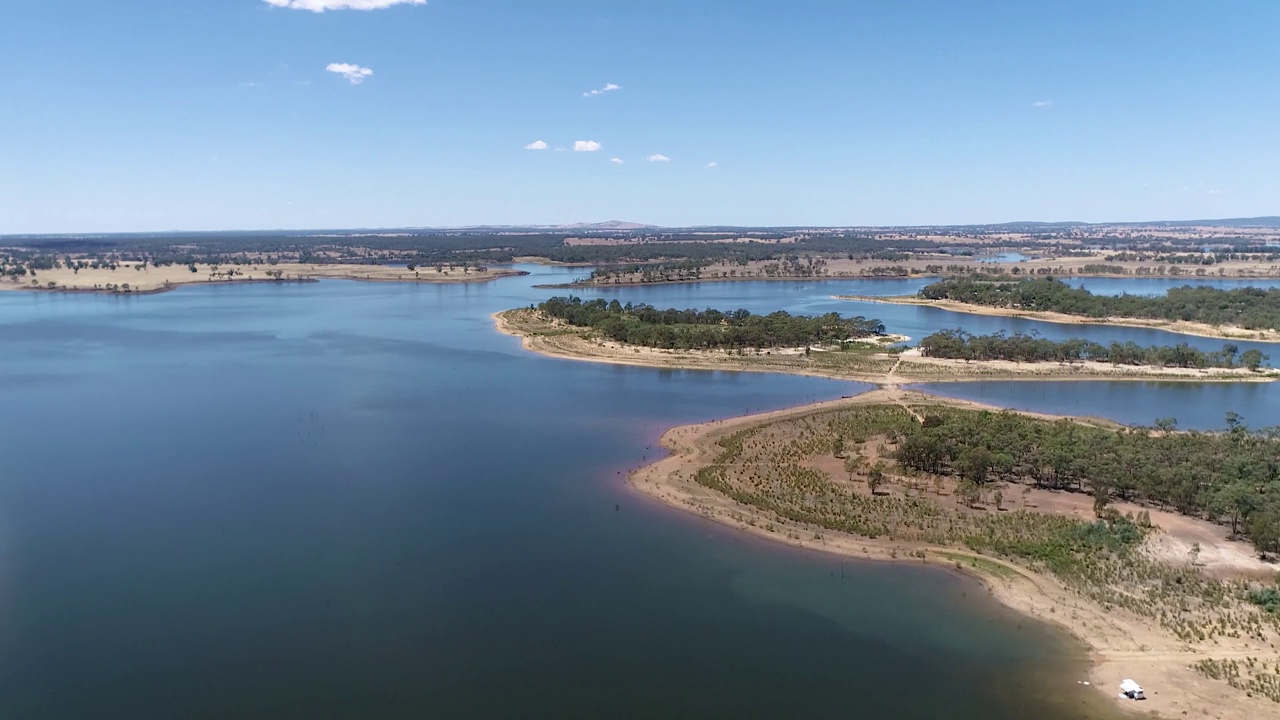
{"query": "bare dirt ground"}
(1122, 645)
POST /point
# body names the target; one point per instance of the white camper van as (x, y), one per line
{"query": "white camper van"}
(1131, 690)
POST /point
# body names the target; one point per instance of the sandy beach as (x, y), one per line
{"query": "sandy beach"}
(1121, 644)
(1223, 332)
(129, 277)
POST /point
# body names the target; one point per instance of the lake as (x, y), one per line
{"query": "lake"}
(345, 499)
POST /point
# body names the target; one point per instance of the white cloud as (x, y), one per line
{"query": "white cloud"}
(536, 145)
(608, 87)
(713, 164)
(586, 146)
(1042, 104)
(616, 161)
(322, 5)
(658, 158)
(353, 73)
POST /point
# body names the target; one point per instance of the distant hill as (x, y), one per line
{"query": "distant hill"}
(1268, 221)
(607, 225)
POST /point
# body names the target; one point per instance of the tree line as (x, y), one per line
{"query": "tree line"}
(1021, 347)
(707, 329)
(1249, 307)
(1231, 477)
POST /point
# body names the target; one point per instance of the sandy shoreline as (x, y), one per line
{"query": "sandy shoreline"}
(878, 369)
(1180, 327)
(1120, 644)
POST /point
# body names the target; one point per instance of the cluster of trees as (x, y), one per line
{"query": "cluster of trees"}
(1231, 477)
(1263, 254)
(707, 329)
(1249, 307)
(1020, 347)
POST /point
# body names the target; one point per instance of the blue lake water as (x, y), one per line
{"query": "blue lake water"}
(349, 499)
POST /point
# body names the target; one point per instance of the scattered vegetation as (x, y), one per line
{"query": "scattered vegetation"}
(1253, 675)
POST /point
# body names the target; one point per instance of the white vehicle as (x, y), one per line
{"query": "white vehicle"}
(1132, 690)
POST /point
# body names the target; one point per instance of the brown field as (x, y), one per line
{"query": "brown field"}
(130, 278)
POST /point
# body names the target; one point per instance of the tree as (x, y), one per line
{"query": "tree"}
(1237, 501)
(1263, 528)
(837, 446)
(974, 464)
(875, 478)
(998, 497)
(1100, 500)
(1252, 359)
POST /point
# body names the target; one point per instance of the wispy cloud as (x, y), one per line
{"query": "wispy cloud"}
(608, 87)
(659, 157)
(586, 146)
(1201, 189)
(713, 164)
(353, 73)
(322, 5)
(616, 161)
(1042, 104)
(536, 145)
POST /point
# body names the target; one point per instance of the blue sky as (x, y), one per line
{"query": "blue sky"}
(221, 114)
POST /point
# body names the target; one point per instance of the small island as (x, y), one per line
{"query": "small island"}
(1247, 313)
(1153, 546)
(845, 348)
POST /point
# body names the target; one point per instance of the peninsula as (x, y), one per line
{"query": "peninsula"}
(902, 476)
(875, 357)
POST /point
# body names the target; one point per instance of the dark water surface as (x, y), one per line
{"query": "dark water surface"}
(357, 500)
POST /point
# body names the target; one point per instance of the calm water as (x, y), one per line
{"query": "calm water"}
(356, 500)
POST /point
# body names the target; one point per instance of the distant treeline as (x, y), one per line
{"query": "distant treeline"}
(705, 329)
(426, 247)
(1231, 477)
(1250, 307)
(1020, 347)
